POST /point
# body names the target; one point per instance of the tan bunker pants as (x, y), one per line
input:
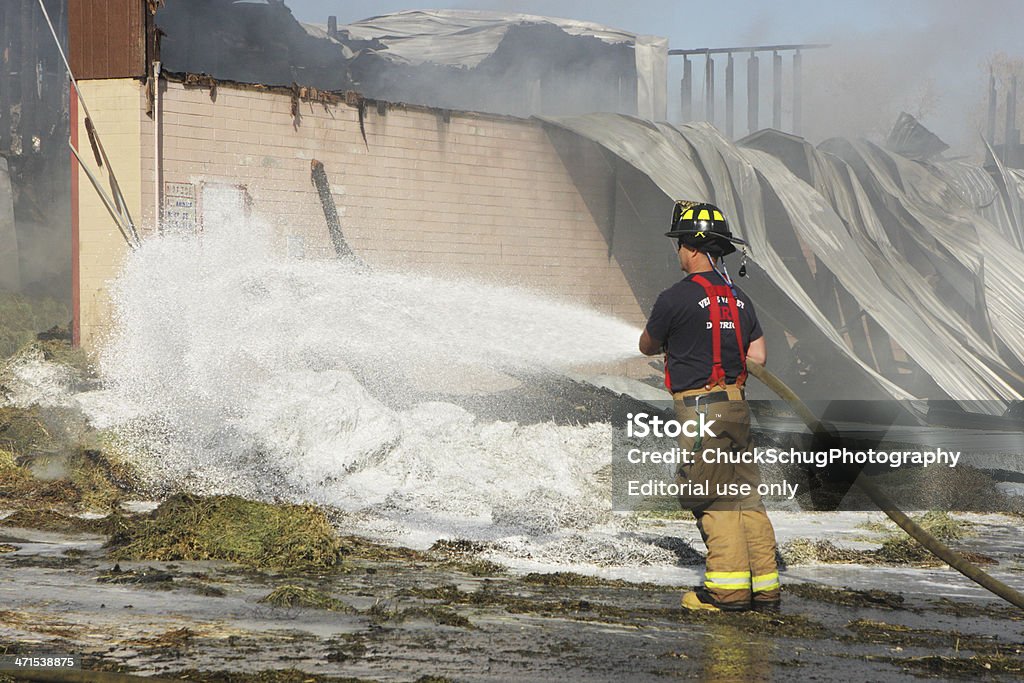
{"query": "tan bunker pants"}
(735, 527)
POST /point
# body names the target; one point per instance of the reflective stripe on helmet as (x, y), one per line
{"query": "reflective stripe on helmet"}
(702, 223)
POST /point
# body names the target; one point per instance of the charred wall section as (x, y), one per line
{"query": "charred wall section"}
(248, 43)
(535, 69)
(35, 187)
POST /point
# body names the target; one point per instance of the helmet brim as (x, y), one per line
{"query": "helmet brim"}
(726, 244)
(711, 235)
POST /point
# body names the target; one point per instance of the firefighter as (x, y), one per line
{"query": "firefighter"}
(708, 330)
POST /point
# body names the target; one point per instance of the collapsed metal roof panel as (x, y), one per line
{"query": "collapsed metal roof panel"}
(466, 37)
(852, 203)
(965, 235)
(911, 139)
(677, 160)
(838, 219)
(954, 367)
(1008, 186)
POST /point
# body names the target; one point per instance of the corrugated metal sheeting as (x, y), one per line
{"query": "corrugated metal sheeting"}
(928, 251)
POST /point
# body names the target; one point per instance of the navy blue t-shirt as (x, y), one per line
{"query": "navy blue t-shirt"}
(681, 320)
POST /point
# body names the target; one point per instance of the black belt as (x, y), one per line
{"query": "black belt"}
(713, 397)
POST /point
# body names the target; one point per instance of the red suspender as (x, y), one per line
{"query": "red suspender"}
(734, 309)
(713, 292)
(717, 372)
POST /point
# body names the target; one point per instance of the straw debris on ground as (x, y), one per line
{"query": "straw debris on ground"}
(51, 520)
(277, 676)
(464, 555)
(89, 481)
(232, 529)
(975, 667)
(897, 547)
(668, 515)
(24, 317)
(60, 350)
(808, 551)
(846, 597)
(964, 488)
(23, 430)
(50, 459)
(12, 476)
(907, 551)
(574, 580)
(384, 612)
(297, 596)
(936, 522)
(102, 478)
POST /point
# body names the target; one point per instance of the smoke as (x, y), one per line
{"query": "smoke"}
(35, 167)
(929, 58)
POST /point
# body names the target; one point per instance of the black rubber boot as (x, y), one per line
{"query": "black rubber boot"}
(766, 606)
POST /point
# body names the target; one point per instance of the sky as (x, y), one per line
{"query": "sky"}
(927, 57)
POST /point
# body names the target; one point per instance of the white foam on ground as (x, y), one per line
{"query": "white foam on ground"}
(27, 379)
(232, 369)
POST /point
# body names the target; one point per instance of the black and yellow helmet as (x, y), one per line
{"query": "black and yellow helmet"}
(702, 226)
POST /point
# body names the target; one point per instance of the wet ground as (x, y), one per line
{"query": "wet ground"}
(450, 613)
(409, 615)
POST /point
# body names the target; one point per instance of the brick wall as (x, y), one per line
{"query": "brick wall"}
(477, 195)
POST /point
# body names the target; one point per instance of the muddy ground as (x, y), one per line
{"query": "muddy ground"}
(232, 590)
(396, 615)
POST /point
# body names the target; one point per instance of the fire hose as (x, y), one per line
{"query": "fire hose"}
(886, 505)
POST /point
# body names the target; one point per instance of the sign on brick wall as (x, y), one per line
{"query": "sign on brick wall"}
(180, 214)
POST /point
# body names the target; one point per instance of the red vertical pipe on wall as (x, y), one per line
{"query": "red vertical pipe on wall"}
(76, 294)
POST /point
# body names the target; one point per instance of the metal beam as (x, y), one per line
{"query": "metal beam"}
(730, 97)
(992, 102)
(709, 90)
(777, 91)
(686, 91)
(756, 48)
(1011, 138)
(753, 93)
(798, 95)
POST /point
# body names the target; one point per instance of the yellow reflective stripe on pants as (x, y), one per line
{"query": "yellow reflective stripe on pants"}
(727, 580)
(766, 582)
